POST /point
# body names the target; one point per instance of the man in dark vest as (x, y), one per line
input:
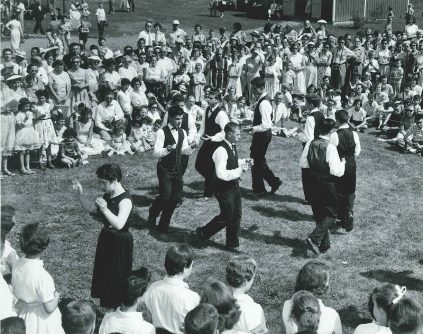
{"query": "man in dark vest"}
(322, 159)
(311, 130)
(262, 135)
(211, 132)
(348, 144)
(227, 172)
(171, 144)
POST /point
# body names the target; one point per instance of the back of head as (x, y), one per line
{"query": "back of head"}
(258, 82)
(13, 325)
(383, 297)
(202, 320)
(327, 125)
(33, 240)
(240, 269)
(231, 126)
(313, 277)
(175, 111)
(406, 317)
(220, 296)
(78, 317)
(341, 116)
(178, 258)
(306, 310)
(133, 289)
(313, 99)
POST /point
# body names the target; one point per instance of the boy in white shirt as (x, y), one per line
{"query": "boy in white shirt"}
(126, 319)
(240, 273)
(170, 299)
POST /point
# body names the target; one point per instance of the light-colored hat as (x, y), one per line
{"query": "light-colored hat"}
(117, 54)
(21, 54)
(175, 22)
(322, 22)
(179, 40)
(14, 77)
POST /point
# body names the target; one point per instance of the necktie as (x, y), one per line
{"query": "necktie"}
(234, 150)
(157, 38)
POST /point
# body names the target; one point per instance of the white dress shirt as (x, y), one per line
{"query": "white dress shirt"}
(169, 300)
(148, 36)
(334, 139)
(329, 323)
(372, 328)
(309, 126)
(107, 112)
(160, 151)
(252, 315)
(266, 111)
(336, 166)
(192, 129)
(221, 119)
(125, 322)
(101, 14)
(220, 158)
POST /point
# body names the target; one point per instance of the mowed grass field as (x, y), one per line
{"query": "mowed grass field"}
(385, 245)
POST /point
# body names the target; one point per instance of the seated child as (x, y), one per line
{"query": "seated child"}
(170, 299)
(282, 107)
(126, 319)
(391, 123)
(203, 319)
(330, 109)
(181, 77)
(118, 143)
(240, 273)
(406, 316)
(380, 306)
(89, 142)
(298, 108)
(371, 108)
(306, 312)
(357, 116)
(240, 113)
(69, 152)
(313, 277)
(414, 136)
(79, 317)
(139, 133)
(8, 253)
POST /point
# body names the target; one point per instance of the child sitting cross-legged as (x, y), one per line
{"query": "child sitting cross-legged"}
(69, 153)
(240, 273)
(139, 135)
(119, 144)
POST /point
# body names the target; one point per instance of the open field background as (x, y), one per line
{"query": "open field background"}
(385, 245)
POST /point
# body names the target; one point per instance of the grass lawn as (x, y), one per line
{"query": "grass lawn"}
(385, 245)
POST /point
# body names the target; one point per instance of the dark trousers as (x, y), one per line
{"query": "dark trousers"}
(260, 171)
(345, 189)
(38, 27)
(205, 166)
(229, 217)
(170, 190)
(132, 5)
(100, 28)
(305, 178)
(324, 204)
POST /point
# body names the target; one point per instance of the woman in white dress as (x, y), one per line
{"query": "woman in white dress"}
(234, 75)
(74, 17)
(45, 128)
(79, 80)
(34, 287)
(298, 65)
(323, 63)
(310, 72)
(16, 33)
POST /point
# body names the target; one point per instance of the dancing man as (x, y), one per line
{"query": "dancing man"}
(262, 135)
(227, 172)
(211, 132)
(171, 144)
(322, 159)
(348, 144)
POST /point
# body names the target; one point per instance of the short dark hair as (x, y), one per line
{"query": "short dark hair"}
(240, 269)
(383, 297)
(7, 214)
(13, 325)
(406, 316)
(134, 288)
(342, 116)
(178, 258)
(6, 50)
(231, 126)
(313, 99)
(327, 125)
(69, 132)
(125, 81)
(313, 277)
(178, 98)
(258, 82)
(33, 240)
(203, 319)
(78, 317)
(110, 172)
(175, 111)
(220, 296)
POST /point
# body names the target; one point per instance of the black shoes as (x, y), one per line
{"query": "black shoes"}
(151, 221)
(349, 224)
(276, 186)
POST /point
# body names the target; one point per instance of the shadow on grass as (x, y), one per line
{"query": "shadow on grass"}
(400, 278)
(195, 185)
(350, 317)
(288, 214)
(141, 200)
(138, 222)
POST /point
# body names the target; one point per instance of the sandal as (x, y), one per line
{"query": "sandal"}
(8, 173)
(26, 172)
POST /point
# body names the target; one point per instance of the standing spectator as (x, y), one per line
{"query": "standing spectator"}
(148, 35)
(39, 14)
(16, 33)
(213, 8)
(131, 5)
(176, 33)
(111, 6)
(159, 37)
(101, 19)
